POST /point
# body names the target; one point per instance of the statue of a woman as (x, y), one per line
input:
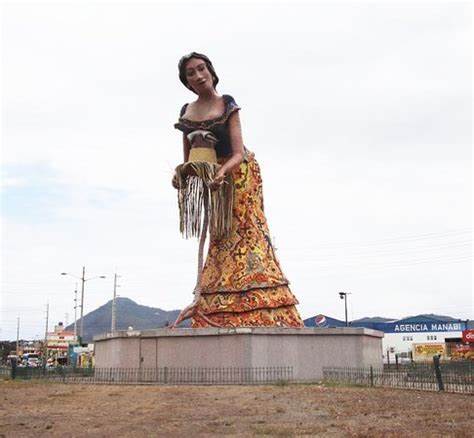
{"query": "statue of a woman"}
(241, 283)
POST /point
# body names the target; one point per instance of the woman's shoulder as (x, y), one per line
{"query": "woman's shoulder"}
(229, 99)
(183, 109)
(230, 103)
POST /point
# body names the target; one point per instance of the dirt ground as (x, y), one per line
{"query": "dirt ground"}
(70, 410)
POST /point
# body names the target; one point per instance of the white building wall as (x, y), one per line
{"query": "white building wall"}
(402, 342)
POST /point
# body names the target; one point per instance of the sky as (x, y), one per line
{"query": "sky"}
(359, 113)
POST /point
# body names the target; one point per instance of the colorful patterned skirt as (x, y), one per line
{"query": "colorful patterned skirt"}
(242, 283)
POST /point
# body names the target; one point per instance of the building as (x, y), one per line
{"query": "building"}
(58, 343)
(416, 338)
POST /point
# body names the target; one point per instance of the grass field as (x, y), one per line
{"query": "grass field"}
(52, 409)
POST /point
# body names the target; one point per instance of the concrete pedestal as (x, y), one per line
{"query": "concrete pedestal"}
(305, 350)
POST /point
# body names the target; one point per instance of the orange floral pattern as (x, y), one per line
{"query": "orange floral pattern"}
(242, 283)
(279, 317)
(249, 300)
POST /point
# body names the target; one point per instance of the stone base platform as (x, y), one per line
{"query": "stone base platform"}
(306, 351)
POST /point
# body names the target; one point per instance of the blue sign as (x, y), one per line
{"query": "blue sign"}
(418, 327)
(414, 324)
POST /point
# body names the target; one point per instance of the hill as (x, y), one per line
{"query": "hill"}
(129, 313)
(374, 319)
(332, 322)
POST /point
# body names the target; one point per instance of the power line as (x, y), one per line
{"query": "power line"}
(361, 249)
(19, 309)
(395, 240)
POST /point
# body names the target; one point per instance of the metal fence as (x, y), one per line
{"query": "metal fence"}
(5, 371)
(52, 373)
(450, 377)
(163, 375)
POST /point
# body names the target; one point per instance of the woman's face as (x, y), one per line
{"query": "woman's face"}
(198, 76)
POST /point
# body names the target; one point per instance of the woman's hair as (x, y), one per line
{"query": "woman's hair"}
(182, 68)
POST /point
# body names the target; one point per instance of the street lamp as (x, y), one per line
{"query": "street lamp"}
(83, 280)
(343, 296)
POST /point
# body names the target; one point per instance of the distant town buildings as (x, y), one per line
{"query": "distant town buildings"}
(416, 338)
(62, 348)
(59, 343)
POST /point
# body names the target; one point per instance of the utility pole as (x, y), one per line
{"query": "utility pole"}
(18, 336)
(114, 305)
(75, 313)
(45, 347)
(83, 279)
(345, 308)
(343, 296)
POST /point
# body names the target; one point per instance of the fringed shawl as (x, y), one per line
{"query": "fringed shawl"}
(194, 196)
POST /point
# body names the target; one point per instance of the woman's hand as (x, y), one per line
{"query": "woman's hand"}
(218, 180)
(174, 181)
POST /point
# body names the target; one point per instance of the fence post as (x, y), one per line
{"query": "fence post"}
(438, 372)
(13, 364)
(371, 375)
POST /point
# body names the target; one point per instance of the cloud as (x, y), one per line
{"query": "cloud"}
(359, 115)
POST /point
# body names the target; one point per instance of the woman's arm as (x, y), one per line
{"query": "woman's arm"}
(186, 148)
(237, 144)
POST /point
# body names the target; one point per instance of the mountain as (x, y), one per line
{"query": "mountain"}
(374, 319)
(434, 316)
(326, 321)
(377, 319)
(129, 314)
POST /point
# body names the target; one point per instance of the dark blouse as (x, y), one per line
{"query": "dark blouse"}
(219, 126)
